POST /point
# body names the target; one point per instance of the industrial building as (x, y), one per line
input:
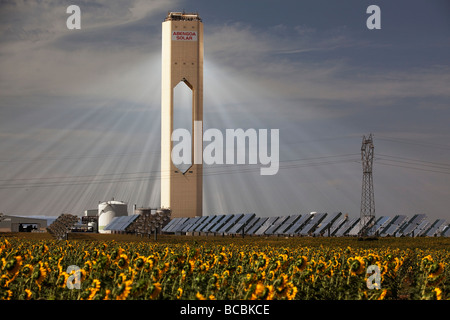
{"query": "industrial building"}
(10, 223)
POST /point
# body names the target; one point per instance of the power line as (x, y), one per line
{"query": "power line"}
(412, 142)
(123, 177)
(157, 174)
(78, 157)
(425, 163)
(414, 168)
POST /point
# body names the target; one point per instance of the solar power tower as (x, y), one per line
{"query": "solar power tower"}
(367, 215)
(182, 65)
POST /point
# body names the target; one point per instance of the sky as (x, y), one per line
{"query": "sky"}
(80, 109)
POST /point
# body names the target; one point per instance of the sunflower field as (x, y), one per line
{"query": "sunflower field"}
(232, 269)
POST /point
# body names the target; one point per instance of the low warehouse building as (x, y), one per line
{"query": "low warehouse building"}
(22, 224)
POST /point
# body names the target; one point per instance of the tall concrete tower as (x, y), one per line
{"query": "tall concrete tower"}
(182, 61)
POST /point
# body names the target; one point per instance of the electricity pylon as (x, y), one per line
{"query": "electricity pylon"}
(367, 217)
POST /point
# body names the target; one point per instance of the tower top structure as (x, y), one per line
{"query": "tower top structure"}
(182, 16)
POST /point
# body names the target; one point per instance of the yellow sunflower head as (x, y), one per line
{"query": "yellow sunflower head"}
(27, 270)
(180, 293)
(357, 266)
(436, 269)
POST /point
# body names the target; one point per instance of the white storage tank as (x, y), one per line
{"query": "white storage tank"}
(108, 210)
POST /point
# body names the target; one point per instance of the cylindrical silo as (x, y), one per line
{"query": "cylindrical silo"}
(108, 210)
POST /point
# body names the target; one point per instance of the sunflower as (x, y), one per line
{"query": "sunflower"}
(151, 260)
(436, 269)
(221, 258)
(302, 263)
(321, 266)
(438, 293)
(270, 292)
(190, 266)
(275, 266)
(180, 293)
(382, 294)
(427, 260)
(214, 282)
(260, 291)
(88, 265)
(239, 269)
(139, 263)
(280, 283)
(124, 290)
(4, 281)
(395, 264)
(60, 268)
(6, 295)
(39, 275)
(82, 274)
(108, 292)
(28, 294)
(13, 266)
(357, 266)
(122, 262)
(199, 296)
(27, 270)
(156, 274)
(62, 280)
(262, 262)
(204, 267)
(154, 289)
(291, 291)
(95, 287)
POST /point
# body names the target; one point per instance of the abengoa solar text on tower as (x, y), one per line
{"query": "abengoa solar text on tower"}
(182, 61)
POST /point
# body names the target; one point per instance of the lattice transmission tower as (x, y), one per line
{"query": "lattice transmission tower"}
(367, 218)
